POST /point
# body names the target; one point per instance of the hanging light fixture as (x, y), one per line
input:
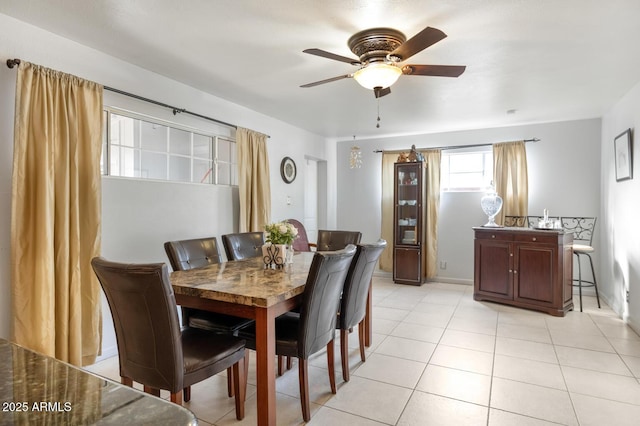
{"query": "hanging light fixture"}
(355, 157)
(377, 74)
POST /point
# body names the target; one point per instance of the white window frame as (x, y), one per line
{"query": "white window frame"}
(486, 168)
(105, 163)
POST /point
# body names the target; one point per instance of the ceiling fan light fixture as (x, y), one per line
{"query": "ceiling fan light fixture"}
(377, 74)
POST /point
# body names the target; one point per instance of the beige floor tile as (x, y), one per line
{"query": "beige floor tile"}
(371, 399)
(602, 385)
(583, 341)
(626, 346)
(391, 370)
(618, 331)
(424, 333)
(573, 322)
(529, 371)
(597, 412)
(523, 318)
(525, 349)
(467, 340)
(456, 384)
(463, 359)
(473, 325)
(288, 412)
(434, 308)
(210, 401)
(394, 302)
(504, 418)
(522, 332)
(383, 326)
(434, 410)
(633, 363)
(413, 350)
(592, 360)
(477, 312)
(432, 319)
(389, 313)
(534, 401)
(319, 387)
(329, 417)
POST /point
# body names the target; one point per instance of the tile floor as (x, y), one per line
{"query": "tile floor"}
(440, 358)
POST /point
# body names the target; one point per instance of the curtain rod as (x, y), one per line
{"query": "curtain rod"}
(448, 147)
(13, 62)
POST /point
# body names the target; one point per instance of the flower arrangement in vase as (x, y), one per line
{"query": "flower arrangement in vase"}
(279, 247)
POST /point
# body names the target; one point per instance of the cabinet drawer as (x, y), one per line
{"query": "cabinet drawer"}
(499, 236)
(536, 238)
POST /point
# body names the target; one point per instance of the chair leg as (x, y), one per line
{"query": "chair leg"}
(240, 387)
(151, 391)
(344, 354)
(331, 365)
(280, 365)
(593, 274)
(579, 280)
(361, 338)
(176, 398)
(126, 381)
(230, 382)
(187, 393)
(289, 362)
(304, 388)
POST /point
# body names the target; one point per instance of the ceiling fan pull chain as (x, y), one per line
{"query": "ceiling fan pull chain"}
(378, 123)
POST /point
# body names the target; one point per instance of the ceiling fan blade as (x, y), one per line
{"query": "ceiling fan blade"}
(434, 70)
(425, 38)
(380, 92)
(328, 80)
(329, 55)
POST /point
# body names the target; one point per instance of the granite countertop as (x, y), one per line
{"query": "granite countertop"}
(37, 389)
(245, 282)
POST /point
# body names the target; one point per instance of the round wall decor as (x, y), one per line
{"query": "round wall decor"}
(288, 170)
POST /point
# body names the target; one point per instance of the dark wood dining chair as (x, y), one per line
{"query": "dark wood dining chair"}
(353, 304)
(198, 253)
(301, 243)
(301, 335)
(243, 245)
(336, 240)
(152, 348)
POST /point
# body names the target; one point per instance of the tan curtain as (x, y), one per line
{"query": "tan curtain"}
(253, 180)
(386, 259)
(55, 217)
(511, 178)
(432, 160)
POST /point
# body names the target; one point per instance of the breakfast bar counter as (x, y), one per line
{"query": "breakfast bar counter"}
(37, 389)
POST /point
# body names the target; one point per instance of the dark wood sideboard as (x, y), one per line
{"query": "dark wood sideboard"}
(524, 267)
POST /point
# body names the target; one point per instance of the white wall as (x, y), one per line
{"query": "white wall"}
(564, 177)
(620, 233)
(138, 216)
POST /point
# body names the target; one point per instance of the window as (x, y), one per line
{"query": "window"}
(151, 149)
(466, 171)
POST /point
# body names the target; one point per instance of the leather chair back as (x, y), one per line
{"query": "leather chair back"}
(145, 318)
(318, 312)
(243, 245)
(301, 243)
(189, 254)
(337, 240)
(353, 305)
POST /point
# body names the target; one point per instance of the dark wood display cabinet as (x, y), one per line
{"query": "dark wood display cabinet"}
(524, 267)
(409, 220)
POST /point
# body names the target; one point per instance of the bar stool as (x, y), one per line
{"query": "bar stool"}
(582, 229)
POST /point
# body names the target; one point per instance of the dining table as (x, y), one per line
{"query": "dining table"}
(250, 289)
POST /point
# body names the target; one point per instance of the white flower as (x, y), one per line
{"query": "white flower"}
(283, 228)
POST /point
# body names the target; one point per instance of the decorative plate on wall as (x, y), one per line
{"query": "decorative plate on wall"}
(288, 170)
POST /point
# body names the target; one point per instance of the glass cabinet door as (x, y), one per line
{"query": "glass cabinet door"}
(407, 204)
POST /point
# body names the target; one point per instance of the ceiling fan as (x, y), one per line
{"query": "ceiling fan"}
(380, 51)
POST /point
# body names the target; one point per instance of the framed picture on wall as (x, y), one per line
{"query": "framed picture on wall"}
(623, 156)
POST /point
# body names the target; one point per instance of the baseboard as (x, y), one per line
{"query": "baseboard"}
(463, 281)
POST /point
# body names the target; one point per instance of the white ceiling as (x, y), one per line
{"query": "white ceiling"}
(549, 60)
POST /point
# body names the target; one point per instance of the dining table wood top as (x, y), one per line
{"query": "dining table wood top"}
(245, 282)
